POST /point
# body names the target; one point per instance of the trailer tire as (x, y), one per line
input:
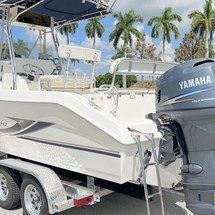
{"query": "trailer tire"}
(10, 183)
(33, 198)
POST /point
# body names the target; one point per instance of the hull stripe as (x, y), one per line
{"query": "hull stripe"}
(35, 127)
(72, 147)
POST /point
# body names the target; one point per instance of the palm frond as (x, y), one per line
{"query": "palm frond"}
(195, 13)
(175, 30)
(124, 27)
(154, 19)
(155, 30)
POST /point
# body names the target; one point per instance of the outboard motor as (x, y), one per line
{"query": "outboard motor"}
(185, 115)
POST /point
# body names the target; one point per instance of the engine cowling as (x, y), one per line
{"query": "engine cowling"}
(185, 114)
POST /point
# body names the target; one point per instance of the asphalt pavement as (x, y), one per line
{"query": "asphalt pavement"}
(118, 204)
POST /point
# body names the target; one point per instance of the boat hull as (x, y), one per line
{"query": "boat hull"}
(67, 131)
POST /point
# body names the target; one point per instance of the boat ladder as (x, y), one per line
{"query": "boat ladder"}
(144, 162)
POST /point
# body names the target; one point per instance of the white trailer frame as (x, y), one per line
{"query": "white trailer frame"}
(60, 195)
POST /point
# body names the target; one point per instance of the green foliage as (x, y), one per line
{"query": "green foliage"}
(124, 28)
(130, 80)
(69, 29)
(204, 24)
(211, 50)
(21, 48)
(190, 48)
(145, 50)
(123, 52)
(94, 28)
(103, 79)
(4, 50)
(141, 50)
(107, 79)
(164, 24)
(148, 84)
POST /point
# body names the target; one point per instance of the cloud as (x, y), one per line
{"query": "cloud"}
(169, 51)
(148, 39)
(76, 69)
(100, 44)
(139, 27)
(32, 36)
(105, 62)
(147, 9)
(103, 66)
(115, 22)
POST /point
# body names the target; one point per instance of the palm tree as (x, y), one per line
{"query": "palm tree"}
(94, 28)
(21, 48)
(164, 24)
(203, 23)
(69, 29)
(122, 51)
(124, 28)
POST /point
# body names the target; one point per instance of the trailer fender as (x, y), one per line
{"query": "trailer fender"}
(50, 182)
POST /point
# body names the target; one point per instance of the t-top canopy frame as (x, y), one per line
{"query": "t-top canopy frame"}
(63, 11)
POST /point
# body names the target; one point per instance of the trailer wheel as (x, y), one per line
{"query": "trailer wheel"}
(33, 198)
(10, 182)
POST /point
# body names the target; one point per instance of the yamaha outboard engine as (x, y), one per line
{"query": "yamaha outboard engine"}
(185, 115)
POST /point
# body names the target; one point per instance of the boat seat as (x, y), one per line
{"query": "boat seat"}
(59, 82)
(79, 53)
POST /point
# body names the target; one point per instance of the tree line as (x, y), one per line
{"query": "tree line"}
(128, 41)
(196, 43)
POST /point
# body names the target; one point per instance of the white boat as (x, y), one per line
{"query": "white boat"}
(45, 119)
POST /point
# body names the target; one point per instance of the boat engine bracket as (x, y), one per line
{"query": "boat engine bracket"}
(169, 149)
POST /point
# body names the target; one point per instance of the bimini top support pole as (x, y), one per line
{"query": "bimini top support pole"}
(11, 50)
(111, 6)
(2, 34)
(10, 42)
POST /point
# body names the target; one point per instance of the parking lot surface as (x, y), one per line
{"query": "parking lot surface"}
(118, 204)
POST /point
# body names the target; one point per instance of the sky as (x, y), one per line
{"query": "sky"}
(145, 8)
